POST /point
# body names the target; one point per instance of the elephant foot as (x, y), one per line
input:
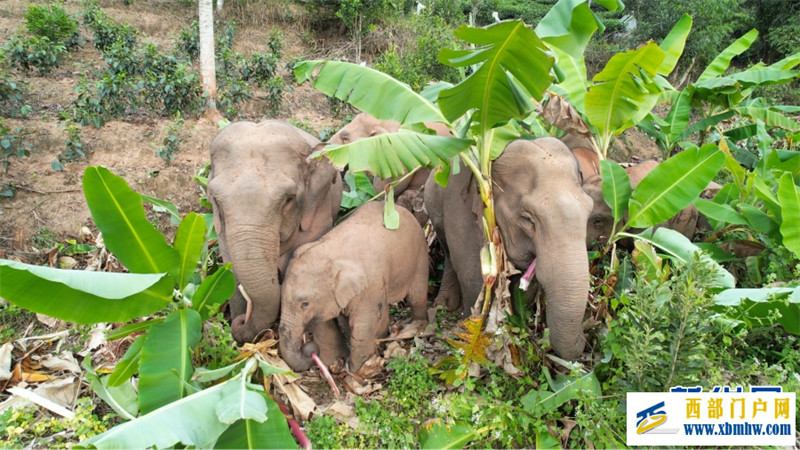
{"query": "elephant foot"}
(447, 300)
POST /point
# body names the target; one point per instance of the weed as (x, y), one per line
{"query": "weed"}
(19, 426)
(662, 336)
(217, 348)
(11, 144)
(172, 141)
(74, 145)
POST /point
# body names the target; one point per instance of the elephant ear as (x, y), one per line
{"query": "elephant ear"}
(350, 282)
(323, 179)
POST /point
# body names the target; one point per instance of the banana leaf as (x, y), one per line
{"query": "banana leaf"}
(368, 90)
(673, 185)
(512, 66)
(166, 361)
(81, 296)
(117, 210)
(567, 29)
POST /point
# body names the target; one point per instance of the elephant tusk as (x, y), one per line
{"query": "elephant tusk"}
(247, 299)
(325, 373)
(527, 276)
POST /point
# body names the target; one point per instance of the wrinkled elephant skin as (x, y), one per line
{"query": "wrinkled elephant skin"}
(353, 272)
(541, 211)
(267, 199)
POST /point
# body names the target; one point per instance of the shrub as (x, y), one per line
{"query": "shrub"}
(52, 22)
(35, 52)
(11, 144)
(74, 145)
(108, 32)
(11, 102)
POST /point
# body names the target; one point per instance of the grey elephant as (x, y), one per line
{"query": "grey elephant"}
(268, 199)
(353, 272)
(600, 226)
(541, 211)
(407, 191)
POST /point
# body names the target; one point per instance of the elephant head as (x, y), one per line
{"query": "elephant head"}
(542, 213)
(268, 199)
(315, 307)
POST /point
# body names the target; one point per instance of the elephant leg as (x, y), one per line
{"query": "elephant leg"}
(450, 291)
(382, 324)
(418, 294)
(237, 304)
(362, 340)
(330, 341)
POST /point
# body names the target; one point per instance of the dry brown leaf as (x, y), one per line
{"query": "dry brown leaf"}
(561, 114)
(301, 403)
(568, 425)
(65, 362)
(394, 349)
(22, 373)
(97, 337)
(51, 322)
(345, 411)
(408, 332)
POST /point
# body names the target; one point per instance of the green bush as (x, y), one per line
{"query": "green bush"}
(415, 63)
(11, 144)
(74, 146)
(35, 52)
(12, 104)
(107, 32)
(52, 22)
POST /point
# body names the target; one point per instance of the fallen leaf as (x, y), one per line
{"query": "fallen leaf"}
(97, 337)
(63, 363)
(51, 322)
(372, 367)
(345, 411)
(41, 401)
(5, 361)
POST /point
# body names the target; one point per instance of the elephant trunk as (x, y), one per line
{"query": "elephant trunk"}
(254, 253)
(296, 355)
(563, 272)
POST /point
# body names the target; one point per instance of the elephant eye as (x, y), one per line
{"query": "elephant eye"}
(304, 305)
(288, 200)
(527, 220)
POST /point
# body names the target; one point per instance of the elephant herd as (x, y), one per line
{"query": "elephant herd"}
(274, 210)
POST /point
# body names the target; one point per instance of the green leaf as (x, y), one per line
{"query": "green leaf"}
(367, 89)
(673, 44)
(164, 205)
(189, 241)
(720, 212)
(762, 307)
(117, 210)
(544, 402)
(203, 375)
(621, 94)
(438, 434)
(129, 363)
(214, 290)
(84, 297)
(513, 65)
(789, 196)
(390, 155)
(391, 217)
(616, 188)
(191, 421)
(720, 64)
(677, 246)
(771, 118)
(166, 362)
(678, 117)
(567, 29)
(673, 185)
(758, 219)
(273, 433)
(122, 399)
(241, 400)
(128, 329)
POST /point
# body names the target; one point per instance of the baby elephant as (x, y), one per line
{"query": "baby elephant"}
(356, 270)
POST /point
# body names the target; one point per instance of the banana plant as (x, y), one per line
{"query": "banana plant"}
(716, 97)
(165, 290)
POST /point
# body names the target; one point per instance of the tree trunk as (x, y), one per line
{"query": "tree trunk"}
(207, 63)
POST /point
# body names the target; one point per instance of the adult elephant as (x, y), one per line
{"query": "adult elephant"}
(541, 211)
(268, 198)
